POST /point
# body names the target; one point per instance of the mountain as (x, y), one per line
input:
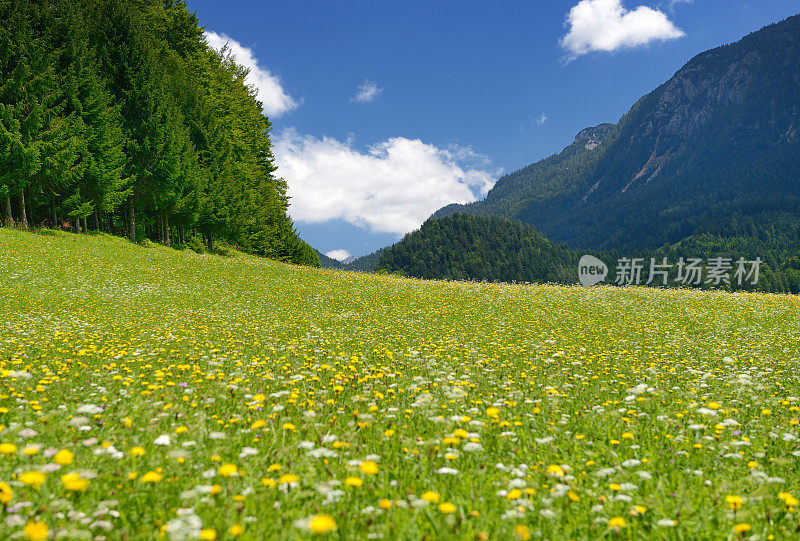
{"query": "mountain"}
(328, 262)
(714, 151)
(365, 263)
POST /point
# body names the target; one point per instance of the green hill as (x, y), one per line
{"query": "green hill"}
(165, 393)
(466, 247)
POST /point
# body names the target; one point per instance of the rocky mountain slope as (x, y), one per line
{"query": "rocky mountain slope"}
(716, 144)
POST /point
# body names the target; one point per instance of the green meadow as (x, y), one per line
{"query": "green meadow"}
(149, 393)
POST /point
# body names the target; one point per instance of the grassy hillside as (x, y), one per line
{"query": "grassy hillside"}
(147, 390)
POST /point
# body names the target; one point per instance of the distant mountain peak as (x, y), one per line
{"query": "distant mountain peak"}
(592, 137)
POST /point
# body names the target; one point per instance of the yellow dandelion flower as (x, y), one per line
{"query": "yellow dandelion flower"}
(522, 532)
(35, 531)
(369, 467)
(385, 504)
(616, 523)
(514, 494)
(447, 508)
(137, 451)
(7, 448)
(742, 528)
(734, 502)
(6, 493)
(354, 481)
(236, 530)
(208, 534)
(554, 470)
(228, 470)
(32, 478)
(321, 524)
(63, 458)
(431, 497)
(73, 482)
(152, 477)
(288, 478)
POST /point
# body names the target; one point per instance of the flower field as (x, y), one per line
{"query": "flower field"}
(147, 393)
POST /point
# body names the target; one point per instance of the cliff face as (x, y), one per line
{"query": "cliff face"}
(720, 138)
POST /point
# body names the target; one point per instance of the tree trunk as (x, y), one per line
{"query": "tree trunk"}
(53, 212)
(85, 225)
(131, 221)
(9, 216)
(77, 225)
(96, 220)
(22, 213)
(167, 232)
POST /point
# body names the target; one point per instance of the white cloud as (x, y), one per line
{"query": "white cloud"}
(391, 188)
(605, 25)
(542, 119)
(338, 255)
(274, 99)
(367, 92)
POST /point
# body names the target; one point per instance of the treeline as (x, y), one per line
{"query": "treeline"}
(116, 116)
(488, 248)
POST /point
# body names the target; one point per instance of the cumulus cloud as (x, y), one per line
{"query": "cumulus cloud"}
(392, 187)
(274, 99)
(367, 92)
(338, 255)
(605, 25)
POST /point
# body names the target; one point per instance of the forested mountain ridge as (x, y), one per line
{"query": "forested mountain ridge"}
(554, 176)
(117, 116)
(328, 262)
(484, 248)
(489, 248)
(718, 141)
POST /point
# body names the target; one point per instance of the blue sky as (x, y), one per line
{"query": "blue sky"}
(384, 111)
